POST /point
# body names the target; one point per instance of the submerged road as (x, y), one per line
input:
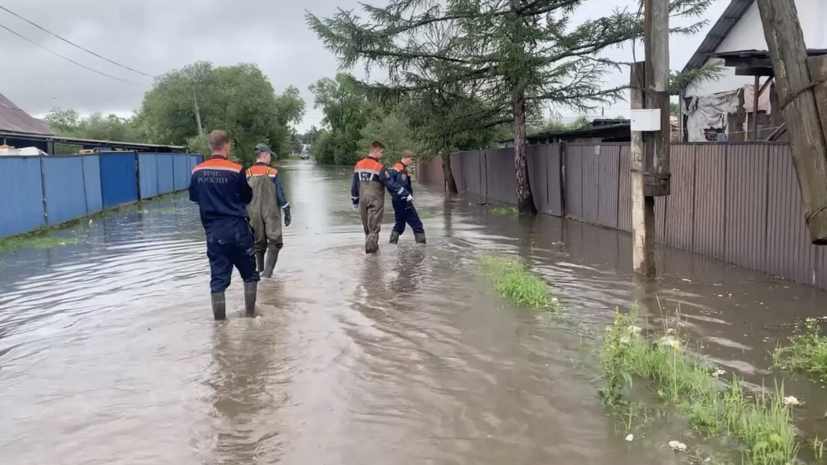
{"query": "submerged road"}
(109, 354)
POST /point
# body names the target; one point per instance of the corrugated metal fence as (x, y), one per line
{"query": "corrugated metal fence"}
(736, 202)
(50, 190)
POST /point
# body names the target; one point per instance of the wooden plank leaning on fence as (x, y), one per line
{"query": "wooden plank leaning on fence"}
(797, 96)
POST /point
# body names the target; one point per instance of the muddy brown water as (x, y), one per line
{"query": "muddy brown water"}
(108, 351)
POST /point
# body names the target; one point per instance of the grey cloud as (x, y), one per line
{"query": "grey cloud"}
(155, 36)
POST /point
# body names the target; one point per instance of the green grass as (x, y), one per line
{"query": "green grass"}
(40, 239)
(806, 353)
(504, 211)
(512, 280)
(708, 405)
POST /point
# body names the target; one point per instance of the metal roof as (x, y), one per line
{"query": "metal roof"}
(13, 119)
(733, 13)
(95, 143)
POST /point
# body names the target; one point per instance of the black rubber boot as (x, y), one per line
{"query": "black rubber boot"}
(259, 261)
(270, 264)
(219, 307)
(394, 237)
(419, 238)
(250, 291)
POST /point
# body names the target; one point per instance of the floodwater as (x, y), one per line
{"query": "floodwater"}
(108, 351)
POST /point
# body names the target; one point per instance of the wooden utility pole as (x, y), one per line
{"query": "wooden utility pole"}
(796, 95)
(650, 150)
(643, 208)
(658, 143)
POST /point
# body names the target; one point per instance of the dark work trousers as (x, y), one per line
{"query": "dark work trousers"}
(404, 212)
(230, 244)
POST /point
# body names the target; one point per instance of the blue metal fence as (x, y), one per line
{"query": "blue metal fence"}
(21, 195)
(50, 190)
(165, 175)
(148, 174)
(64, 189)
(92, 183)
(182, 171)
(119, 178)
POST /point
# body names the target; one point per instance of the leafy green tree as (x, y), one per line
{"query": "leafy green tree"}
(238, 99)
(70, 123)
(347, 110)
(520, 54)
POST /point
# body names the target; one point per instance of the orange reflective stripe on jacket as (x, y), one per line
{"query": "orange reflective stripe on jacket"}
(261, 170)
(399, 167)
(218, 164)
(369, 166)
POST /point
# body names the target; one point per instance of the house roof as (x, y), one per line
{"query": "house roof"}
(720, 30)
(93, 143)
(15, 120)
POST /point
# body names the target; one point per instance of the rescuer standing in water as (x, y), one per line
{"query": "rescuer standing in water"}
(405, 212)
(221, 191)
(370, 178)
(265, 210)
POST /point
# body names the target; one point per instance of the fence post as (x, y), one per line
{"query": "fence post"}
(561, 173)
(43, 191)
(83, 178)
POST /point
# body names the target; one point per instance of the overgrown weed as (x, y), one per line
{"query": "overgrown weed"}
(39, 239)
(511, 279)
(504, 211)
(805, 353)
(687, 382)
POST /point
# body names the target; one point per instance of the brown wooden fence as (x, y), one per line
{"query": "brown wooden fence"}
(736, 202)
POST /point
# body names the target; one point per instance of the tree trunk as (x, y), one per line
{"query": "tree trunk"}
(525, 201)
(450, 182)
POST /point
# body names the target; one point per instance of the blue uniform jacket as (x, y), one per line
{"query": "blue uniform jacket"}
(263, 169)
(221, 191)
(399, 173)
(369, 169)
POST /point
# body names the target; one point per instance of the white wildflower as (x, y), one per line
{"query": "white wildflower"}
(630, 437)
(718, 373)
(634, 330)
(791, 401)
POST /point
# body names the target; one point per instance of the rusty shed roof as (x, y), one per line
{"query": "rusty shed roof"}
(13, 119)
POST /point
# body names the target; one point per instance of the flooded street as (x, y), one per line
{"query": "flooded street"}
(109, 352)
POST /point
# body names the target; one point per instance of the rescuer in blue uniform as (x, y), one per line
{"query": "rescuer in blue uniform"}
(405, 212)
(222, 193)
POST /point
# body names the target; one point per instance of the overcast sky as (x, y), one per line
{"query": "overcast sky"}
(154, 36)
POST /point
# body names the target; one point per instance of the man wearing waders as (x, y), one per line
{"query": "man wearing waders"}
(265, 210)
(404, 212)
(221, 191)
(370, 179)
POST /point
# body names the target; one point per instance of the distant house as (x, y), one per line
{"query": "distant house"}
(725, 108)
(598, 131)
(16, 125)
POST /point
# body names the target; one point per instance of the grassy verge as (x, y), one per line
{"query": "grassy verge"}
(805, 353)
(504, 211)
(511, 279)
(763, 423)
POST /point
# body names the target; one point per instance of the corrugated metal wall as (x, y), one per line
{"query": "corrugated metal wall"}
(21, 195)
(50, 190)
(181, 172)
(148, 174)
(119, 181)
(92, 183)
(736, 202)
(65, 192)
(165, 174)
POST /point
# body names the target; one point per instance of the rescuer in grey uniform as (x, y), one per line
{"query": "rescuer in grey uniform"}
(265, 210)
(367, 192)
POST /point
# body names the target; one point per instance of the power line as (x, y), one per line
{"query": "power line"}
(74, 44)
(70, 60)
